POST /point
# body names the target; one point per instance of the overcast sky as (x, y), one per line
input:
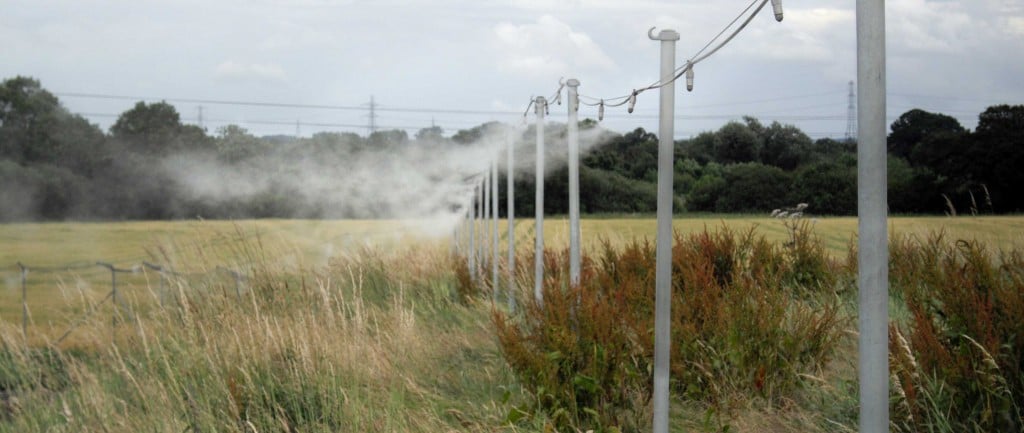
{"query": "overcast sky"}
(422, 60)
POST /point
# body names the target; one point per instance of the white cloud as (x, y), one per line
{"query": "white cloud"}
(820, 35)
(232, 70)
(921, 26)
(1015, 26)
(548, 47)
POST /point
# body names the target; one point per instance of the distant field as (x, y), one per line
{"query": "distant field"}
(208, 247)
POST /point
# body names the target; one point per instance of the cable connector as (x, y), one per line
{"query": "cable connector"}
(689, 77)
(632, 102)
(777, 8)
(600, 111)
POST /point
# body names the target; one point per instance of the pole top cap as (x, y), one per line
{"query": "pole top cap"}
(572, 82)
(664, 35)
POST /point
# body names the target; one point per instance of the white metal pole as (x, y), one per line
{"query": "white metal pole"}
(471, 252)
(510, 217)
(494, 227)
(455, 236)
(872, 232)
(538, 259)
(663, 261)
(486, 220)
(572, 86)
(480, 226)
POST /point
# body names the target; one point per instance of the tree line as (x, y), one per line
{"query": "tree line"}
(55, 165)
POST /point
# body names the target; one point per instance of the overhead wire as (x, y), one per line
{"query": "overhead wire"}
(687, 66)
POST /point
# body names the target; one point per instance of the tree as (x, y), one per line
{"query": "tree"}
(701, 148)
(150, 129)
(434, 134)
(35, 128)
(736, 142)
(914, 126)
(828, 187)
(784, 146)
(753, 187)
(997, 155)
(384, 139)
(235, 144)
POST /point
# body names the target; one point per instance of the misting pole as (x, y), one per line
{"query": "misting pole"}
(455, 236)
(471, 251)
(24, 300)
(510, 217)
(574, 181)
(494, 227)
(485, 240)
(663, 261)
(538, 259)
(872, 233)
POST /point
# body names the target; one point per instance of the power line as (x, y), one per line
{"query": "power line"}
(282, 104)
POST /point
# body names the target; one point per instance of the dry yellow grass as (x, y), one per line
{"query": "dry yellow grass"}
(207, 247)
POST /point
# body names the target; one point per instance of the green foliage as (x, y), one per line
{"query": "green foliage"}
(830, 188)
(753, 187)
(739, 329)
(785, 146)
(958, 364)
(912, 127)
(736, 142)
(996, 156)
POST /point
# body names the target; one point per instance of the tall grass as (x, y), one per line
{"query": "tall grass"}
(958, 364)
(405, 341)
(741, 327)
(372, 342)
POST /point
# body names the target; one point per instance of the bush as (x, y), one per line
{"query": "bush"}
(961, 365)
(586, 354)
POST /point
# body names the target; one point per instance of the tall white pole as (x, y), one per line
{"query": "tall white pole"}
(872, 233)
(572, 86)
(494, 227)
(471, 251)
(510, 217)
(454, 250)
(480, 226)
(663, 248)
(538, 259)
(486, 220)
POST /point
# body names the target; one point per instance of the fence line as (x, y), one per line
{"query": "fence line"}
(120, 310)
(137, 265)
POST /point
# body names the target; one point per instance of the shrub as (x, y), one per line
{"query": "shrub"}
(959, 363)
(586, 353)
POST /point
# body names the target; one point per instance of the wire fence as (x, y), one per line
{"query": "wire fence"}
(167, 277)
(127, 274)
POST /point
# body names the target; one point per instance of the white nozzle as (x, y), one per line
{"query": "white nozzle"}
(689, 78)
(777, 8)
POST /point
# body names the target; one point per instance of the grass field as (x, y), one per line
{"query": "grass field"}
(56, 296)
(350, 318)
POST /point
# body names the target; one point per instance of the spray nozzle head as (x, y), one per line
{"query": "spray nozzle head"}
(689, 78)
(777, 8)
(632, 102)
